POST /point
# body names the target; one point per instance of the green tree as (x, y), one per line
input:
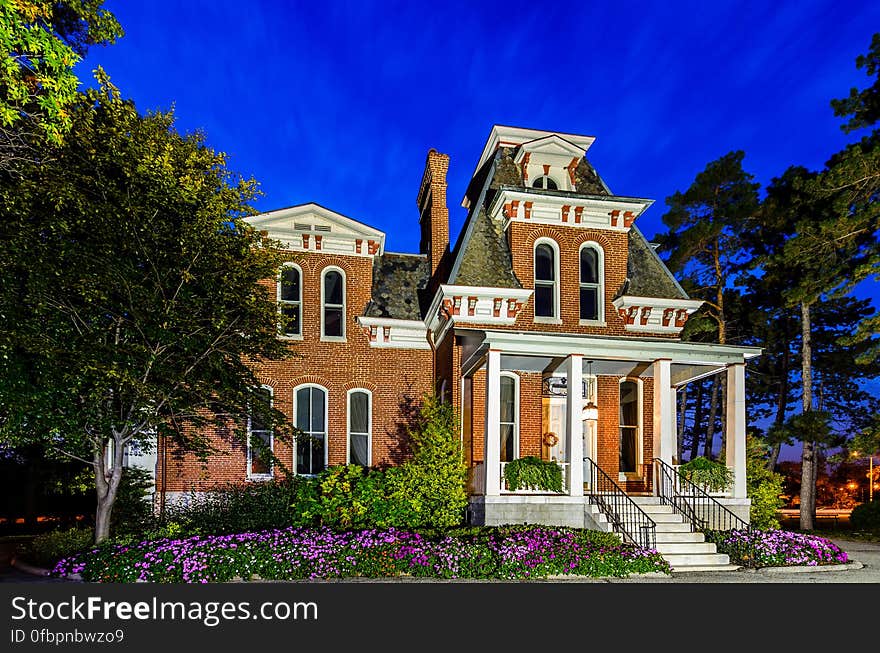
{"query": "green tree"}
(704, 242)
(429, 490)
(42, 41)
(130, 306)
(763, 486)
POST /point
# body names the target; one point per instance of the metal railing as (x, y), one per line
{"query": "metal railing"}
(701, 510)
(627, 519)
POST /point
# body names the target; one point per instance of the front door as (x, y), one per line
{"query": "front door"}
(553, 429)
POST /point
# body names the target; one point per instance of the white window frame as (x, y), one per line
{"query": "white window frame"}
(298, 302)
(326, 338)
(554, 246)
(640, 430)
(544, 187)
(600, 275)
(326, 423)
(349, 432)
(515, 377)
(250, 475)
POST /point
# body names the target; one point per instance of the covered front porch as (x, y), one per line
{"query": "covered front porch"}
(619, 429)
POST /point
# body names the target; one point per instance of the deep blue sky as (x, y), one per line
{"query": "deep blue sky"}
(338, 102)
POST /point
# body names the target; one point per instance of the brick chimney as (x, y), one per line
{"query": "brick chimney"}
(433, 213)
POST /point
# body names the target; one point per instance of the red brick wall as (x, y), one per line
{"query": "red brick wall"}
(397, 379)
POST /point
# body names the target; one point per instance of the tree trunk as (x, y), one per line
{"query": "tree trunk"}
(682, 413)
(107, 484)
(713, 412)
(781, 407)
(697, 427)
(808, 454)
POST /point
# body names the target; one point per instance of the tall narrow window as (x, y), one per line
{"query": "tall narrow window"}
(333, 304)
(629, 426)
(259, 463)
(310, 408)
(359, 416)
(509, 418)
(590, 283)
(289, 298)
(545, 281)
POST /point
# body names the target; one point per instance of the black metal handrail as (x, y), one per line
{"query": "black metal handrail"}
(701, 510)
(627, 519)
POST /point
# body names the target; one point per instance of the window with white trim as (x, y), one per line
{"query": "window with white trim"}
(509, 427)
(591, 274)
(333, 304)
(360, 417)
(630, 422)
(546, 182)
(310, 419)
(290, 300)
(546, 280)
(259, 438)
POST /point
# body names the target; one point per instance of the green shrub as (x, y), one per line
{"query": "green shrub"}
(352, 497)
(132, 510)
(48, 548)
(763, 487)
(429, 489)
(866, 516)
(532, 473)
(709, 474)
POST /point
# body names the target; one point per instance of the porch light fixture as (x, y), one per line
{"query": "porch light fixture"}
(591, 410)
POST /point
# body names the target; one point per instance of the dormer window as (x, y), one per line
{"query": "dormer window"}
(545, 182)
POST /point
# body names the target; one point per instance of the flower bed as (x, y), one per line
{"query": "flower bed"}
(302, 553)
(777, 548)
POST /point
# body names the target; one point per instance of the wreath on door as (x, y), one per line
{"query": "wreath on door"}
(550, 439)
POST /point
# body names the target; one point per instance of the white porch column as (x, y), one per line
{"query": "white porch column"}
(664, 411)
(492, 432)
(574, 426)
(735, 422)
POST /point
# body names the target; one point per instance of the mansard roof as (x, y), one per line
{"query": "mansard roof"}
(398, 284)
(647, 275)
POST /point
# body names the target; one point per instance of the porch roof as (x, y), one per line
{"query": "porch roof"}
(537, 351)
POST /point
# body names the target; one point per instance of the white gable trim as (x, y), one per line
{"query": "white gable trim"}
(655, 315)
(392, 333)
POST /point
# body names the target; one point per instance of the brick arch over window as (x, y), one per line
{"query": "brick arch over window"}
(360, 385)
(311, 379)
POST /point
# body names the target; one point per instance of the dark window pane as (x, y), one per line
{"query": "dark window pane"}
(259, 457)
(333, 288)
(589, 265)
(317, 410)
(589, 303)
(629, 404)
(507, 399)
(333, 322)
(290, 284)
(263, 398)
(317, 460)
(290, 319)
(544, 263)
(550, 185)
(628, 449)
(303, 409)
(507, 452)
(544, 301)
(303, 456)
(359, 418)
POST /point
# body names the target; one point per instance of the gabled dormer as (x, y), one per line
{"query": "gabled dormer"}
(549, 163)
(313, 228)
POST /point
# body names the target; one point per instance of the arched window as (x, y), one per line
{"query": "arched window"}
(259, 441)
(630, 423)
(310, 418)
(290, 299)
(360, 415)
(546, 279)
(333, 304)
(591, 277)
(509, 417)
(545, 182)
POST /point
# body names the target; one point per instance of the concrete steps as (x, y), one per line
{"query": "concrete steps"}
(684, 550)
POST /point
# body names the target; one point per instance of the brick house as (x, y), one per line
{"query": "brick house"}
(549, 286)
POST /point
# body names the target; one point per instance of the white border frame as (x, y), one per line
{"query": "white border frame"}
(342, 338)
(640, 435)
(290, 264)
(556, 318)
(326, 424)
(369, 394)
(516, 407)
(600, 264)
(248, 474)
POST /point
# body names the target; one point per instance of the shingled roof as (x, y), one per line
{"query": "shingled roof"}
(486, 261)
(647, 275)
(397, 282)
